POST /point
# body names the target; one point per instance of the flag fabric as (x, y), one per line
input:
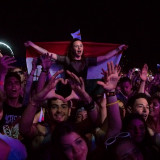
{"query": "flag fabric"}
(94, 72)
(57, 47)
(91, 49)
(76, 34)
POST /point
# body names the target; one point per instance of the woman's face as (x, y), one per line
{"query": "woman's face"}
(78, 49)
(155, 108)
(74, 146)
(137, 130)
(128, 151)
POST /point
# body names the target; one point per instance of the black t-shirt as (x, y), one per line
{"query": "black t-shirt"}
(78, 67)
(9, 125)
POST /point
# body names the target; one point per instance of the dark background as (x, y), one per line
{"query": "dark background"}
(135, 23)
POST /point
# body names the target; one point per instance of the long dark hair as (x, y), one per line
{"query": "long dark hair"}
(147, 146)
(61, 130)
(70, 51)
(126, 123)
(112, 149)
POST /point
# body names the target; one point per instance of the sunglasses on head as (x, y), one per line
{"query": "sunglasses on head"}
(112, 140)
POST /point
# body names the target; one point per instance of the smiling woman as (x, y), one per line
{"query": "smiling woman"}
(69, 142)
(124, 148)
(137, 127)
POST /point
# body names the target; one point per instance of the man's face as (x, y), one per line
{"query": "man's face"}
(60, 111)
(12, 87)
(141, 107)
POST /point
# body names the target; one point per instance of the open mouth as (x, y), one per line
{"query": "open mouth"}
(78, 52)
(144, 116)
(13, 91)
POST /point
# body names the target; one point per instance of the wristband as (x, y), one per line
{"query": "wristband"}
(109, 94)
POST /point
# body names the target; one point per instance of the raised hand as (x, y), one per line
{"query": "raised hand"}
(122, 48)
(78, 89)
(144, 72)
(118, 69)
(46, 61)
(34, 63)
(29, 44)
(49, 91)
(111, 77)
(6, 63)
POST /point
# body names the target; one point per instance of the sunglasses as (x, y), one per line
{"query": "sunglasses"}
(112, 140)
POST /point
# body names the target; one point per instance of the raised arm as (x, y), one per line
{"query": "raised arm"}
(79, 93)
(40, 49)
(46, 64)
(109, 84)
(6, 63)
(102, 109)
(29, 82)
(110, 54)
(26, 124)
(143, 76)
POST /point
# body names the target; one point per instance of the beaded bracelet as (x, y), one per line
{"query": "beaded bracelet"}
(110, 104)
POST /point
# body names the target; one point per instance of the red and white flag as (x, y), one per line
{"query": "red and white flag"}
(91, 49)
